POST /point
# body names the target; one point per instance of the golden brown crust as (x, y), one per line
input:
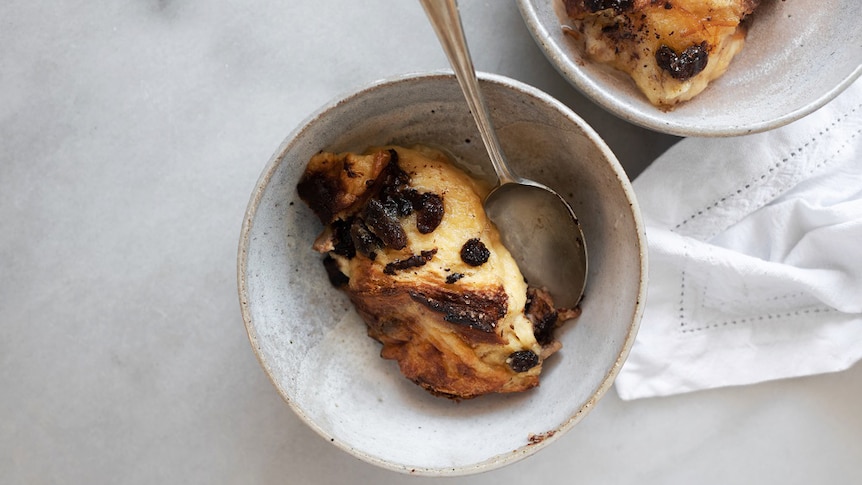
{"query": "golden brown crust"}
(672, 49)
(335, 183)
(408, 240)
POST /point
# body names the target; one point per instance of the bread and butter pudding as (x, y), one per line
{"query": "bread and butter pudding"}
(672, 49)
(406, 237)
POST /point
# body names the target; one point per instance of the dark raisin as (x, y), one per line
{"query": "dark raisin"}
(452, 278)
(403, 203)
(522, 360)
(686, 65)
(364, 240)
(383, 222)
(543, 327)
(396, 176)
(540, 310)
(430, 213)
(412, 262)
(618, 5)
(399, 199)
(343, 243)
(392, 206)
(336, 277)
(474, 252)
(320, 192)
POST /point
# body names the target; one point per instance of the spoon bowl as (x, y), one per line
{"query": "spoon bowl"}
(522, 211)
(536, 224)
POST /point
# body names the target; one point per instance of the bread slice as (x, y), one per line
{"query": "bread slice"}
(407, 238)
(672, 49)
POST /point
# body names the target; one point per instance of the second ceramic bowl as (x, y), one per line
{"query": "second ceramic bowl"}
(798, 55)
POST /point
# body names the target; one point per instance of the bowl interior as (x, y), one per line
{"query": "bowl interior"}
(314, 346)
(798, 55)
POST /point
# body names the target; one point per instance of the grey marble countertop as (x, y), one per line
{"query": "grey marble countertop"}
(132, 135)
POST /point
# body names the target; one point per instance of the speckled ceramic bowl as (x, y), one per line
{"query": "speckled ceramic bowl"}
(798, 55)
(313, 345)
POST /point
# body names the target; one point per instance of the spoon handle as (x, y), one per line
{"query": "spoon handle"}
(446, 20)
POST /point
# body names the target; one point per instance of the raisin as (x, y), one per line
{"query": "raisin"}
(474, 252)
(395, 175)
(320, 192)
(342, 242)
(412, 262)
(336, 277)
(383, 222)
(540, 310)
(402, 203)
(686, 65)
(522, 360)
(618, 5)
(364, 240)
(543, 327)
(430, 212)
(452, 278)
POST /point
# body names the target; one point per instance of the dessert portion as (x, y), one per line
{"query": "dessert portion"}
(407, 238)
(672, 49)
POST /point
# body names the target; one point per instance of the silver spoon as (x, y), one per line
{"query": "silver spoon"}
(536, 224)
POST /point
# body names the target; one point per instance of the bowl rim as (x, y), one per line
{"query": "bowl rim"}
(588, 86)
(501, 459)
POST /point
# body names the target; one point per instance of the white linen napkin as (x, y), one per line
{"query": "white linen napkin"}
(755, 247)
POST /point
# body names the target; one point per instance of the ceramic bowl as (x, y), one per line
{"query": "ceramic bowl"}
(313, 345)
(798, 55)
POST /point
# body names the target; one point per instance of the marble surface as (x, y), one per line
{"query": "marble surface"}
(132, 135)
